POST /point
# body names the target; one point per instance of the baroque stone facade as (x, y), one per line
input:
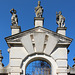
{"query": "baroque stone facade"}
(37, 43)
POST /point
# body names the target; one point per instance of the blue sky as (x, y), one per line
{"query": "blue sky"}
(25, 12)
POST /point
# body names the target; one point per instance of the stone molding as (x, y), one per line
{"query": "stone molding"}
(15, 27)
(33, 30)
(61, 28)
(38, 18)
(48, 59)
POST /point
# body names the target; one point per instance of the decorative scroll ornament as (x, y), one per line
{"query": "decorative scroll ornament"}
(14, 17)
(39, 10)
(60, 19)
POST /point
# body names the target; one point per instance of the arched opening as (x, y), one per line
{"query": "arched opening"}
(38, 67)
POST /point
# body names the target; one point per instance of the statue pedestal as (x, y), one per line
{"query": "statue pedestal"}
(61, 30)
(15, 29)
(38, 21)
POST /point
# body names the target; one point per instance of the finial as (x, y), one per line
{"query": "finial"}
(60, 19)
(14, 17)
(39, 10)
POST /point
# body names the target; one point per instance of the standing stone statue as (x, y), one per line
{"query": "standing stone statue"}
(60, 19)
(39, 10)
(14, 17)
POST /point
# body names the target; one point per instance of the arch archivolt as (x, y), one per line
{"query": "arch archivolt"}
(46, 58)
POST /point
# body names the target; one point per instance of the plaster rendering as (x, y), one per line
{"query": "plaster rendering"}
(38, 43)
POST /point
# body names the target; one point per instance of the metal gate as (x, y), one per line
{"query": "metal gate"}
(38, 67)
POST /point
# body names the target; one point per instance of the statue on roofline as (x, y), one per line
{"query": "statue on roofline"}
(39, 10)
(60, 19)
(14, 17)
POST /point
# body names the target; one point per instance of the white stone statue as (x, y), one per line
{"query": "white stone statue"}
(14, 17)
(39, 10)
(60, 19)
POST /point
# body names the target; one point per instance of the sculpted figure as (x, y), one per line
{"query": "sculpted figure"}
(60, 19)
(14, 17)
(38, 10)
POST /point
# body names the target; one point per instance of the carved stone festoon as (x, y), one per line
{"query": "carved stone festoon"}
(39, 10)
(60, 19)
(14, 17)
